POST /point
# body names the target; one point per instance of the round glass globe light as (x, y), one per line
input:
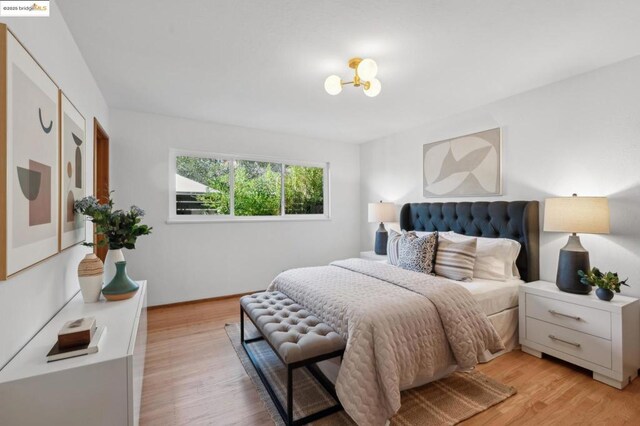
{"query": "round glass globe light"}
(374, 88)
(333, 85)
(367, 69)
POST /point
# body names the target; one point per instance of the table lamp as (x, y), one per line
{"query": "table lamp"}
(585, 215)
(381, 212)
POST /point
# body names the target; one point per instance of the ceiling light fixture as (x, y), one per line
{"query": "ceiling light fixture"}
(365, 73)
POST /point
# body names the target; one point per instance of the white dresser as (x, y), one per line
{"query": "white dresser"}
(603, 337)
(99, 389)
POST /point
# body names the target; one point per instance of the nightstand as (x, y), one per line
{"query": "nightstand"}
(371, 255)
(603, 337)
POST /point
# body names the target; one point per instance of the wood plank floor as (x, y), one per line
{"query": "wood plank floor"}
(193, 377)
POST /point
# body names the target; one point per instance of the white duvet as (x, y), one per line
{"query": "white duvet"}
(397, 324)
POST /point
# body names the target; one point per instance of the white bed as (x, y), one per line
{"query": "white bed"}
(498, 300)
(493, 296)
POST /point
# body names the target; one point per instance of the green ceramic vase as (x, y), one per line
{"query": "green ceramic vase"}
(121, 286)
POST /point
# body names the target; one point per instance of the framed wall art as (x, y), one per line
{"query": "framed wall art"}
(72, 172)
(465, 166)
(29, 158)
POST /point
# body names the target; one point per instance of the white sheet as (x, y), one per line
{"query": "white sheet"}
(493, 296)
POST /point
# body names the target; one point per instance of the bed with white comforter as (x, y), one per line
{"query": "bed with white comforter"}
(399, 326)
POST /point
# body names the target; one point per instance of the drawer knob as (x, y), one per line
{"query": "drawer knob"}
(552, 337)
(552, 312)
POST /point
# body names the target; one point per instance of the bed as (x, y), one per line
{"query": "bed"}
(403, 328)
(516, 220)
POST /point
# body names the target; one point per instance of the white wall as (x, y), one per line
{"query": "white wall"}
(196, 261)
(31, 298)
(579, 135)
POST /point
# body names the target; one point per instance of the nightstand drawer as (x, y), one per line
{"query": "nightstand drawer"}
(576, 317)
(580, 345)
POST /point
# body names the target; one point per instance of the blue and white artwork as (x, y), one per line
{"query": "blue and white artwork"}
(465, 166)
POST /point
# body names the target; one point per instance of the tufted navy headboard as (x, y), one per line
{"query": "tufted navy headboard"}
(517, 220)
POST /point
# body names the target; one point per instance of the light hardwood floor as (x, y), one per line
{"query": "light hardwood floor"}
(194, 377)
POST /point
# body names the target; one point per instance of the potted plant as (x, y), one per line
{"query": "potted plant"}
(607, 282)
(119, 229)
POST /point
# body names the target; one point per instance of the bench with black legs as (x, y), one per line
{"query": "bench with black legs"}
(298, 338)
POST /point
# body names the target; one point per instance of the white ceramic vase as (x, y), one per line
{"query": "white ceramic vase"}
(113, 256)
(90, 273)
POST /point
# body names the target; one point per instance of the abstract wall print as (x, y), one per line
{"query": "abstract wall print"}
(29, 160)
(72, 172)
(469, 165)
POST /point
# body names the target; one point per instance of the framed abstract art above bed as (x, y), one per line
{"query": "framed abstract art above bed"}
(72, 172)
(469, 165)
(29, 159)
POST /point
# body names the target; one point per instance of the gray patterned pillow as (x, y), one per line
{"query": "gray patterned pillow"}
(417, 254)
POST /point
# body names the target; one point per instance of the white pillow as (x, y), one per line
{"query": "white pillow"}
(495, 257)
(422, 233)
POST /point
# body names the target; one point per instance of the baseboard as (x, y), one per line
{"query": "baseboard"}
(209, 299)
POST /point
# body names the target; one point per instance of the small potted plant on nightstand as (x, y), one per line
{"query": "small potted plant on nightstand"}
(607, 282)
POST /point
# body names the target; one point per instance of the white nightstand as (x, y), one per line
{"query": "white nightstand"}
(371, 255)
(603, 337)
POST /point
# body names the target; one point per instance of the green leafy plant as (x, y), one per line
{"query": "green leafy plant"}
(608, 280)
(119, 228)
(257, 186)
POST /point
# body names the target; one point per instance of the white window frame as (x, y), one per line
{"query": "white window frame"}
(174, 218)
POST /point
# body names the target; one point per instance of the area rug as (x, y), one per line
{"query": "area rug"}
(445, 402)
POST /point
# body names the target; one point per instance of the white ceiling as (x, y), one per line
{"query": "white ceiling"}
(262, 64)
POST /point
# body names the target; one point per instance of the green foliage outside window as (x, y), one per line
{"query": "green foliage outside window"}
(257, 186)
(304, 190)
(257, 190)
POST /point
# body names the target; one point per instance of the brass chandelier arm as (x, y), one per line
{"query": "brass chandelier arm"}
(366, 84)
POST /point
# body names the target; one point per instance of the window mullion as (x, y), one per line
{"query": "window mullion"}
(326, 201)
(282, 202)
(232, 179)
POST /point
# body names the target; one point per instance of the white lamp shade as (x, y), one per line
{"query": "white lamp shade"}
(382, 212)
(333, 85)
(374, 88)
(583, 215)
(367, 69)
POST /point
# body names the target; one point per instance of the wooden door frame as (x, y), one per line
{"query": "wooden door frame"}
(100, 149)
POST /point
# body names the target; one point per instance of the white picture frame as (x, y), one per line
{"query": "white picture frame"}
(464, 166)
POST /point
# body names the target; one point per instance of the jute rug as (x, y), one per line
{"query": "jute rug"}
(445, 402)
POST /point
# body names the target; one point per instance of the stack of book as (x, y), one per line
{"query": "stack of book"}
(78, 337)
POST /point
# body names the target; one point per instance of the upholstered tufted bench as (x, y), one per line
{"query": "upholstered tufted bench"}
(298, 338)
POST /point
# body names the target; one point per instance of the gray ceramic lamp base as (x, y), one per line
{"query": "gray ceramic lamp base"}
(381, 240)
(573, 258)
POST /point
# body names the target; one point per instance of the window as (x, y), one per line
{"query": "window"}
(210, 187)
(257, 188)
(199, 180)
(303, 190)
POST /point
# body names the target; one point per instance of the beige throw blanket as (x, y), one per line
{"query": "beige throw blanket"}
(396, 323)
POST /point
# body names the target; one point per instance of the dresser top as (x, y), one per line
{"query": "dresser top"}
(547, 289)
(117, 342)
